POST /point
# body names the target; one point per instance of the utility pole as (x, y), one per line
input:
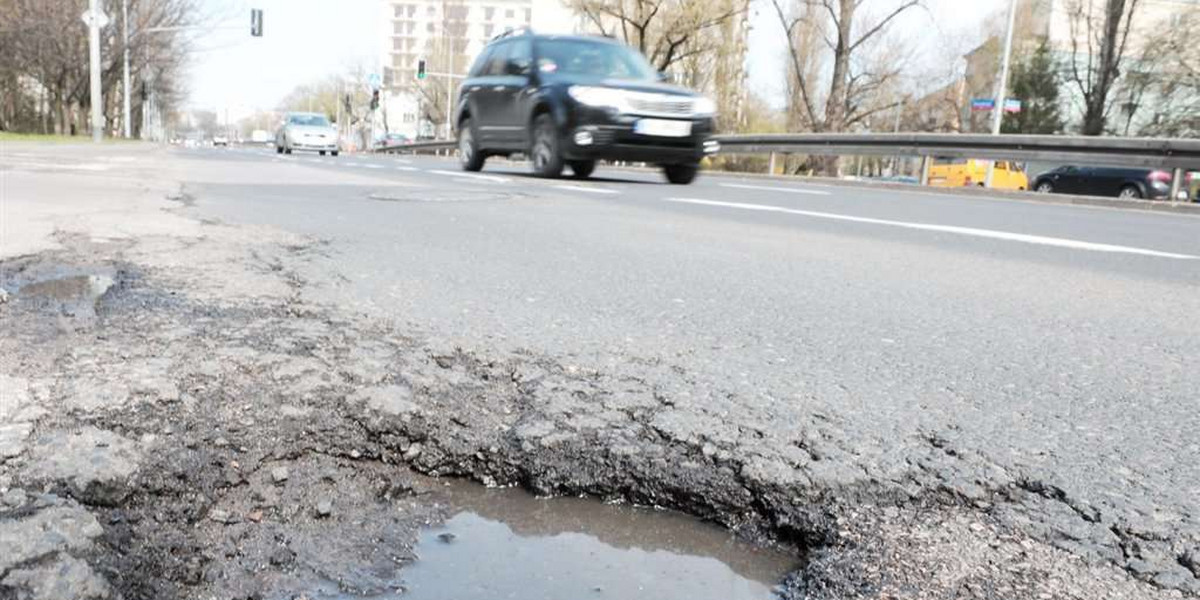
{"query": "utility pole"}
(127, 126)
(1002, 85)
(449, 70)
(93, 19)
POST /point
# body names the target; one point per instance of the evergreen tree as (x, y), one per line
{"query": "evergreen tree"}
(1035, 83)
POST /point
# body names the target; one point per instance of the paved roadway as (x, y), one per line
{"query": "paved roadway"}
(1051, 342)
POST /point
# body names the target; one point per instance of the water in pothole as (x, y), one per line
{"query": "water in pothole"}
(504, 543)
(72, 295)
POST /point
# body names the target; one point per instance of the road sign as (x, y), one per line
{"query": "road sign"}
(983, 104)
(101, 19)
(1012, 105)
(373, 80)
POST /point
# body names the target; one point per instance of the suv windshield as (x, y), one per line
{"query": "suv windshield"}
(601, 60)
(309, 120)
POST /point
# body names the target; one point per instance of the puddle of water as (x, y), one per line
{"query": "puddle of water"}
(508, 544)
(73, 295)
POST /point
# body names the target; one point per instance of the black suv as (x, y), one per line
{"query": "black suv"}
(571, 100)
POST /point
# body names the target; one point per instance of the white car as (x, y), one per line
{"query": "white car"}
(306, 131)
(220, 140)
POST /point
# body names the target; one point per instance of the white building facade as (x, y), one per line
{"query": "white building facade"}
(447, 34)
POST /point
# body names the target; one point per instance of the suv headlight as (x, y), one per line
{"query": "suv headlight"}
(599, 96)
(704, 107)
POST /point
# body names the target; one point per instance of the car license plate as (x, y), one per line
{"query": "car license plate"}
(663, 128)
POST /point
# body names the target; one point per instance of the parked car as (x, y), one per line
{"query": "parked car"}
(306, 131)
(1122, 182)
(966, 172)
(220, 140)
(574, 100)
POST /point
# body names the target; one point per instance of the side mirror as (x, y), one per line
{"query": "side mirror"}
(515, 69)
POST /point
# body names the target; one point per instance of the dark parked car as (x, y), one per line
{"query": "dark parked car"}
(1152, 184)
(570, 101)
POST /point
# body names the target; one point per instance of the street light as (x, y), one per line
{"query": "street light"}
(1002, 86)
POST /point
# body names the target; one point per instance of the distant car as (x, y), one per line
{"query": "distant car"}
(967, 172)
(571, 101)
(1120, 182)
(395, 139)
(220, 140)
(306, 131)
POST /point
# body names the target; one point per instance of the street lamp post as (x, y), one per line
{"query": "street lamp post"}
(94, 24)
(125, 69)
(1002, 85)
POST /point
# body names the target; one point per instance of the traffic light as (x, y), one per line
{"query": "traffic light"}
(256, 24)
(374, 99)
(421, 69)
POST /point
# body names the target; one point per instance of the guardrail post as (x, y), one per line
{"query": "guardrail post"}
(925, 170)
(771, 166)
(1176, 184)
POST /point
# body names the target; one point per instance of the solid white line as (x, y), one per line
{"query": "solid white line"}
(590, 190)
(353, 164)
(970, 231)
(371, 166)
(775, 189)
(407, 169)
(491, 178)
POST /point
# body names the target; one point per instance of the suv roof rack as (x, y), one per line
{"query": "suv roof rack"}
(513, 32)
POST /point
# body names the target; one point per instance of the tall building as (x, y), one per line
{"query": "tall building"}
(447, 35)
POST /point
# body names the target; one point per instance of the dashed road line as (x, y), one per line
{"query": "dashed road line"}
(768, 188)
(491, 178)
(590, 190)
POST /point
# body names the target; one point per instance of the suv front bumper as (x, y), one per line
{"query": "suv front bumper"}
(599, 135)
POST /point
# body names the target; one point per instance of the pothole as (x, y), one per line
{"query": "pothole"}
(506, 543)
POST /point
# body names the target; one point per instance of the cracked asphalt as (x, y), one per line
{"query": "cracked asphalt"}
(924, 396)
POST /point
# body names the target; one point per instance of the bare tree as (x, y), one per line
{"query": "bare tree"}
(852, 94)
(44, 64)
(666, 31)
(1160, 96)
(1099, 40)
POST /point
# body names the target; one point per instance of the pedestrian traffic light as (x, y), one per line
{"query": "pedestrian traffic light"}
(374, 99)
(256, 24)
(421, 69)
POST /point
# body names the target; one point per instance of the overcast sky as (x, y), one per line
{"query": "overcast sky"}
(308, 39)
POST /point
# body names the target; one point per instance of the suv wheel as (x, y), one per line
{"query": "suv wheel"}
(1045, 187)
(545, 153)
(681, 174)
(582, 169)
(468, 149)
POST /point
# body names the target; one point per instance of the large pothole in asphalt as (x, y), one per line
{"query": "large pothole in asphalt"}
(505, 543)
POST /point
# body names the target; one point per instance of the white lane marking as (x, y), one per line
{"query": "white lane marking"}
(768, 188)
(970, 231)
(353, 164)
(403, 161)
(590, 190)
(371, 166)
(407, 169)
(491, 178)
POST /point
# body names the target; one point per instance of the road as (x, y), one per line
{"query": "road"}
(1047, 347)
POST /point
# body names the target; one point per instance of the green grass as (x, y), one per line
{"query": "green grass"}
(6, 136)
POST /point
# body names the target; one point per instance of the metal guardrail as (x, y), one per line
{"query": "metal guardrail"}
(1090, 151)
(1162, 153)
(416, 147)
